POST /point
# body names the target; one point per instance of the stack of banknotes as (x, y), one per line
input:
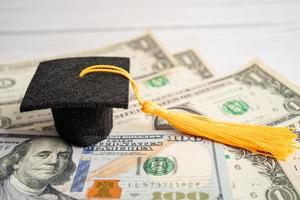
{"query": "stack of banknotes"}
(144, 157)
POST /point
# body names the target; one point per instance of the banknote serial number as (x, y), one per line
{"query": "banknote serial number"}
(184, 138)
(166, 184)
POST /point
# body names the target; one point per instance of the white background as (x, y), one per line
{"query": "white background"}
(227, 33)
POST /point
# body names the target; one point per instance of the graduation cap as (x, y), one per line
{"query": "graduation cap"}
(81, 107)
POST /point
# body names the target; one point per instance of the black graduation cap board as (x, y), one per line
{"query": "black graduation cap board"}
(81, 107)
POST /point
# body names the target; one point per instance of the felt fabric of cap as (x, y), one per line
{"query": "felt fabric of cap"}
(81, 107)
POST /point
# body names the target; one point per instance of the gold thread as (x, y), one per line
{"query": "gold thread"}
(276, 142)
(115, 70)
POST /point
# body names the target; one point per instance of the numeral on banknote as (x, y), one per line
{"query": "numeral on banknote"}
(180, 196)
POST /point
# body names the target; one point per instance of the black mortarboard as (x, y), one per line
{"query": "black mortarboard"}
(81, 107)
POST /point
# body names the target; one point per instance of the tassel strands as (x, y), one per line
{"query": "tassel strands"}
(277, 142)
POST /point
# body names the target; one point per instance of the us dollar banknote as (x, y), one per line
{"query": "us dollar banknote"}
(292, 164)
(13, 87)
(14, 78)
(281, 177)
(147, 57)
(145, 165)
(156, 84)
(11, 118)
(194, 62)
(256, 94)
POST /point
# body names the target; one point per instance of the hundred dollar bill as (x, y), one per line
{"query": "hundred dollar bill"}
(15, 87)
(145, 165)
(256, 94)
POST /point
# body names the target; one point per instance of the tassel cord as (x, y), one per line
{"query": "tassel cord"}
(277, 142)
(115, 70)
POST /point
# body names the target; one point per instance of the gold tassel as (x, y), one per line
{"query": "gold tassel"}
(277, 142)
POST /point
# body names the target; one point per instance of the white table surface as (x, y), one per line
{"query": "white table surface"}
(228, 33)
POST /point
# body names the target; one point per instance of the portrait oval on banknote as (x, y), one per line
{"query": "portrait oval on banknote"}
(6, 83)
(5, 122)
(33, 167)
(161, 124)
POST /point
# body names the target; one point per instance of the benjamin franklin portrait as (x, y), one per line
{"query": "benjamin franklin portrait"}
(32, 168)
